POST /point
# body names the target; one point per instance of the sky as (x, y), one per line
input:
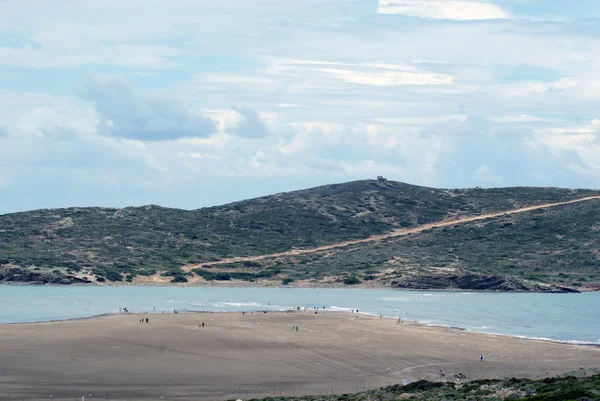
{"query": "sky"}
(193, 103)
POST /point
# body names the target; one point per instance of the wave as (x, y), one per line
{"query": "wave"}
(240, 304)
(552, 340)
(339, 308)
(254, 305)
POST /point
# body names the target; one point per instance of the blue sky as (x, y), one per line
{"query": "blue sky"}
(188, 103)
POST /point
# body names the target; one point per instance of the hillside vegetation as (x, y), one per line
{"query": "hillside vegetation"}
(569, 388)
(554, 245)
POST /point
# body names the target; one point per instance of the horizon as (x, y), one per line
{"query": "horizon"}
(197, 104)
(277, 193)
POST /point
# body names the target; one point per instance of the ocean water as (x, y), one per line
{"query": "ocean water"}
(560, 317)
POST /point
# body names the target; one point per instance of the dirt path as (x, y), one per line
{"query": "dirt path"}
(391, 234)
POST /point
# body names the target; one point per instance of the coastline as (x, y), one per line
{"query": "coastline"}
(277, 284)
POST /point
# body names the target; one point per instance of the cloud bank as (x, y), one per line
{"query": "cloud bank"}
(190, 104)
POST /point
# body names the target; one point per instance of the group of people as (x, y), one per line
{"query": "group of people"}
(142, 320)
(304, 308)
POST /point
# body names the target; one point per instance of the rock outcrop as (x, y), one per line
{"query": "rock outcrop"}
(474, 282)
(17, 275)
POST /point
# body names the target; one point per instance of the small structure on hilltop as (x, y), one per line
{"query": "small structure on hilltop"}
(381, 178)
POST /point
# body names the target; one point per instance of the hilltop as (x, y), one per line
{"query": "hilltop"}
(546, 249)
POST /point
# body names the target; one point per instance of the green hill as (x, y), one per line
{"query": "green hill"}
(554, 245)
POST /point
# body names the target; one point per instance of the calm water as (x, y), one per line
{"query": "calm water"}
(564, 317)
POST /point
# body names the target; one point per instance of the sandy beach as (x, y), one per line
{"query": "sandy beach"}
(254, 355)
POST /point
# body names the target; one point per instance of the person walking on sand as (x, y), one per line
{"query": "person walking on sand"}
(387, 371)
(481, 357)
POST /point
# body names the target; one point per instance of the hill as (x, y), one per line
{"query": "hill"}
(520, 251)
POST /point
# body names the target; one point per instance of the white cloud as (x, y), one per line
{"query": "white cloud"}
(250, 124)
(420, 120)
(38, 115)
(387, 78)
(197, 155)
(443, 9)
(288, 105)
(128, 114)
(371, 73)
(525, 118)
(528, 88)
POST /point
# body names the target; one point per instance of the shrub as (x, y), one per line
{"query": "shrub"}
(222, 277)
(287, 281)
(250, 263)
(179, 279)
(352, 280)
(113, 276)
(171, 273)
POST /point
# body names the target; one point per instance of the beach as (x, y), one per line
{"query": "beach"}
(257, 355)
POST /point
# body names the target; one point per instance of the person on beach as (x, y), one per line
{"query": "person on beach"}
(202, 324)
(146, 320)
(387, 371)
(481, 357)
(296, 328)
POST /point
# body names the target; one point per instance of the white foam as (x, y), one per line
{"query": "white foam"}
(333, 307)
(240, 304)
(552, 340)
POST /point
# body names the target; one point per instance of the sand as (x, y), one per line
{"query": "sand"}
(255, 355)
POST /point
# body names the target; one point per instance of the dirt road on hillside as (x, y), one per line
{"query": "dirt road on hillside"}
(391, 234)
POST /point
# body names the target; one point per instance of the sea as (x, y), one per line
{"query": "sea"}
(571, 318)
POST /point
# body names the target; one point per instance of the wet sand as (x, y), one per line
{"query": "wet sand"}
(255, 355)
